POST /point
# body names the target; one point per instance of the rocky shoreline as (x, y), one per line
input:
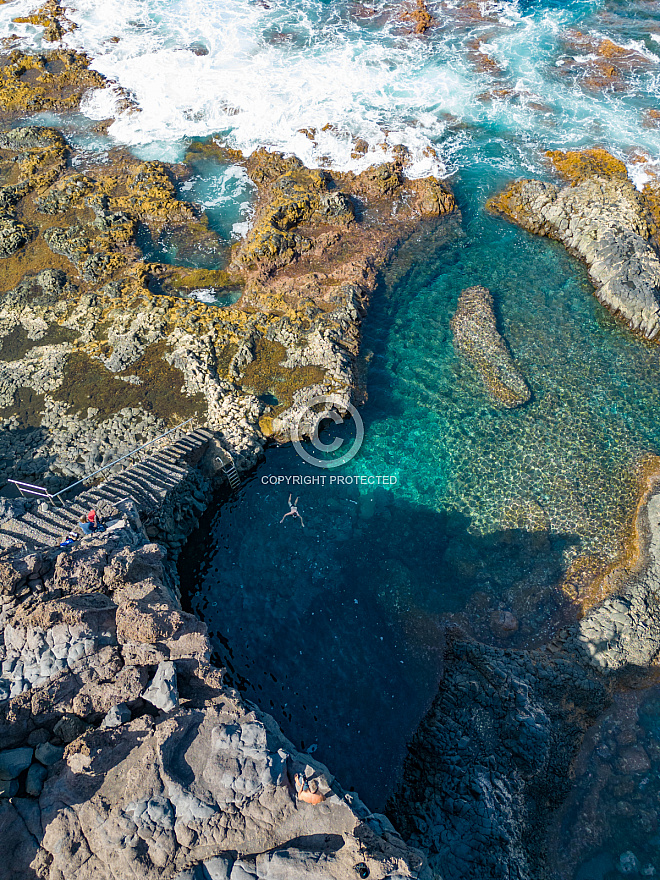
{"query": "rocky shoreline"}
(602, 219)
(122, 752)
(82, 331)
(127, 755)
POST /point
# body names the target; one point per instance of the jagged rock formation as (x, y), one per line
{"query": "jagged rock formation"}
(493, 755)
(476, 337)
(124, 754)
(602, 219)
(491, 758)
(419, 16)
(88, 329)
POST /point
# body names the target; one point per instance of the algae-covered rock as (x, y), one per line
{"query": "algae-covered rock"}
(434, 198)
(419, 16)
(65, 194)
(152, 195)
(30, 137)
(13, 235)
(47, 81)
(51, 17)
(290, 199)
(476, 337)
(577, 165)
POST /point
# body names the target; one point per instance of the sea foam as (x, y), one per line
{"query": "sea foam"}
(311, 78)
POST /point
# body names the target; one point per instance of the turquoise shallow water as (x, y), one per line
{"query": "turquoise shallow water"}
(610, 824)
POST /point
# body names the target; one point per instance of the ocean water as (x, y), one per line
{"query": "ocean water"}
(310, 76)
(336, 628)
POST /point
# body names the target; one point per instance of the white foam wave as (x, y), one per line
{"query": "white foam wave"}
(267, 75)
(311, 78)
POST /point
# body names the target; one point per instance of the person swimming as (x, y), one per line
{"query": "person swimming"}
(293, 512)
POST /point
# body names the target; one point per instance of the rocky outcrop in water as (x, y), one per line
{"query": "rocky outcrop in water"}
(493, 757)
(419, 16)
(476, 337)
(602, 219)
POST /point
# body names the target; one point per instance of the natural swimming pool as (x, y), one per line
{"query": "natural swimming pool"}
(336, 628)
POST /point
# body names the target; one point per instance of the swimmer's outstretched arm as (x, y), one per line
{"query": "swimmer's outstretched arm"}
(301, 521)
(290, 513)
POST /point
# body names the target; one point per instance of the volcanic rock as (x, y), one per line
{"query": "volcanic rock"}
(476, 337)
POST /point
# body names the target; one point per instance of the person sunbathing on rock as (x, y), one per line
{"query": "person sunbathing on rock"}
(293, 512)
(304, 792)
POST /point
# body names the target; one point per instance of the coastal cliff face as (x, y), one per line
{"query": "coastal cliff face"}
(492, 759)
(601, 218)
(123, 753)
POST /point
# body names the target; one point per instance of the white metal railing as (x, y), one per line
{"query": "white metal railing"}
(30, 489)
(41, 492)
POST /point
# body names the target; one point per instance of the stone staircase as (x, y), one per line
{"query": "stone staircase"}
(146, 483)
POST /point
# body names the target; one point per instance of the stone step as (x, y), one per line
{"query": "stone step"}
(42, 524)
(155, 471)
(136, 476)
(142, 498)
(145, 482)
(154, 488)
(23, 534)
(186, 443)
(170, 466)
(157, 475)
(143, 494)
(63, 519)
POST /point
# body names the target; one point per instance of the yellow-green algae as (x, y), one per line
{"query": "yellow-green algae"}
(54, 80)
(266, 375)
(52, 18)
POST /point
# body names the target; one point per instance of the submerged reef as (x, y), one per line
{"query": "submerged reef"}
(601, 218)
(419, 16)
(476, 337)
(597, 64)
